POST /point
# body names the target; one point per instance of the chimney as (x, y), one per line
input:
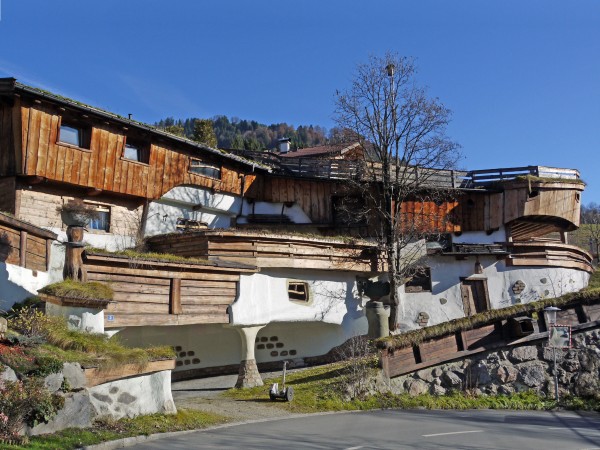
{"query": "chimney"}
(284, 145)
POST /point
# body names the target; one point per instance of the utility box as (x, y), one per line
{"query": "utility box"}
(520, 326)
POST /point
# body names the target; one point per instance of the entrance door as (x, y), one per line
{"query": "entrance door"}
(475, 296)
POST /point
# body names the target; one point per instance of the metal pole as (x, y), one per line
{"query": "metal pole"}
(555, 376)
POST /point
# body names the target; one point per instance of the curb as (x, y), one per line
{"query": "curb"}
(133, 440)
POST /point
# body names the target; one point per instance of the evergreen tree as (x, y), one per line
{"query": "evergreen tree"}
(204, 132)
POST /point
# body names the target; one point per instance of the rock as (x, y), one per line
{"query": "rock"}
(415, 387)
(506, 390)
(436, 390)
(479, 374)
(425, 375)
(8, 375)
(524, 353)
(437, 372)
(506, 373)
(54, 381)
(587, 385)
(533, 375)
(3, 326)
(74, 375)
(571, 365)
(548, 355)
(77, 413)
(451, 380)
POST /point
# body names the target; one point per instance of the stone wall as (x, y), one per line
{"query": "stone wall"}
(528, 367)
(129, 397)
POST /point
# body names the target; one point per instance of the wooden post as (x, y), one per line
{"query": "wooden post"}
(175, 297)
(48, 253)
(23, 249)
(74, 268)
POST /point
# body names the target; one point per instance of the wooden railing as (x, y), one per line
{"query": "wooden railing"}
(25, 245)
(481, 177)
(549, 254)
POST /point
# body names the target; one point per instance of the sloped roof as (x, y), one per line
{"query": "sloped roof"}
(322, 150)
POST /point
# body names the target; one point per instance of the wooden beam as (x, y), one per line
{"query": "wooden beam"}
(23, 249)
(175, 297)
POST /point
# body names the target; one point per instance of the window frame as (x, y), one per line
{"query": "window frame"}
(307, 300)
(141, 146)
(198, 163)
(100, 208)
(84, 132)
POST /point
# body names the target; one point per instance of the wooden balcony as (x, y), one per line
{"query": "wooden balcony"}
(549, 254)
(152, 292)
(272, 250)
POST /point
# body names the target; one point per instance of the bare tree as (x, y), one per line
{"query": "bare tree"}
(403, 134)
(590, 216)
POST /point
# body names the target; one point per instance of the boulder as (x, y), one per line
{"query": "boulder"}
(54, 381)
(533, 375)
(524, 353)
(74, 375)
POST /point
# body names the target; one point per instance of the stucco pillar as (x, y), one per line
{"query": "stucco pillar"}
(248, 375)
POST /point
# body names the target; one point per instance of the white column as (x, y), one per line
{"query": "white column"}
(248, 375)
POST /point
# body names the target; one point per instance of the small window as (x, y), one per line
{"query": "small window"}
(420, 280)
(136, 151)
(206, 170)
(298, 291)
(102, 220)
(75, 135)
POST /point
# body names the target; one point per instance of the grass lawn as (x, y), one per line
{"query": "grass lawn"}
(109, 430)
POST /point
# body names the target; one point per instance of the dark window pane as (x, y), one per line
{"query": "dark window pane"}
(205, 170)
(70, 135)
(101, 222)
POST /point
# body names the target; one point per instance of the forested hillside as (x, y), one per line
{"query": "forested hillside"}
(248, 134)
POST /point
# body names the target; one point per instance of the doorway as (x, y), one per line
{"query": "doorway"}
(475, 296)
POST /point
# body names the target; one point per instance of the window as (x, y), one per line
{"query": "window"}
(74, 134)
(102, 220)
(206, 170)
(136, 151)
(298, 291)
(420, 280)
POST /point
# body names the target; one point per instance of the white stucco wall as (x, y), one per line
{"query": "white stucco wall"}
(444, 302)
(263, 298)
(480, 237)
(90, 320)
(215, 209)
(18, 283)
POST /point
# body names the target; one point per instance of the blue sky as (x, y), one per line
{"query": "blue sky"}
(522, 77)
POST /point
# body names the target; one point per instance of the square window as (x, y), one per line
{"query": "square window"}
(206, 170)
(74, 134)
(136, 151)
(102, 220)
(298, 291)
(420, 280)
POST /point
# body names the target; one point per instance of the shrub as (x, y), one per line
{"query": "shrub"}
(25, 403)
(28, 321)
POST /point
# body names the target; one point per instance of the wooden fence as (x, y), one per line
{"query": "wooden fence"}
(498, 334)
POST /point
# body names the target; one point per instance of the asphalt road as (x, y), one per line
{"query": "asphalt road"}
(401, 429)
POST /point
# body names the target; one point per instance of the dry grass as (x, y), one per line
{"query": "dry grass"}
(91, 290)
(136, 255)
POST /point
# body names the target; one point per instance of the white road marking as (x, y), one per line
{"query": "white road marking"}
(454, 432)
(355, 448)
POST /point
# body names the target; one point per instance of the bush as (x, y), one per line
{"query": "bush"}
(25, 403)
(28, 321)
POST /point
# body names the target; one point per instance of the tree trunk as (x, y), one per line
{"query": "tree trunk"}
(393, 275)
(74, 268)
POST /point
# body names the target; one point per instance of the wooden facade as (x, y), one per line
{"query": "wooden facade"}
(549, 254)
(25, 245)
(150, 292)
(264, 251)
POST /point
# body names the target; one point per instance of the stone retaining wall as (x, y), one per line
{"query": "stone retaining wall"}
(528, 367)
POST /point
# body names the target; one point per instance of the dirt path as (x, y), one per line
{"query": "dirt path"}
(204, 394)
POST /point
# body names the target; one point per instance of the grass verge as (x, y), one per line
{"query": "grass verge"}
(109, 430)
(322, 389)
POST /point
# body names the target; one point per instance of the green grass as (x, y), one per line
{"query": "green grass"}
(321, 389)
(97, 349)
(136, 255)
(91, 290)
(110, 430)
(535, 179)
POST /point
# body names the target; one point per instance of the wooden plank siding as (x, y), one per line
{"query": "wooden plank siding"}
(270, 251)
(160, 293)
(23, 244)
(102, 166)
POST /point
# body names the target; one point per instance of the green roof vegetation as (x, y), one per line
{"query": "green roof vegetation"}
(535, 179)
(91, 290)
(134, 254)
